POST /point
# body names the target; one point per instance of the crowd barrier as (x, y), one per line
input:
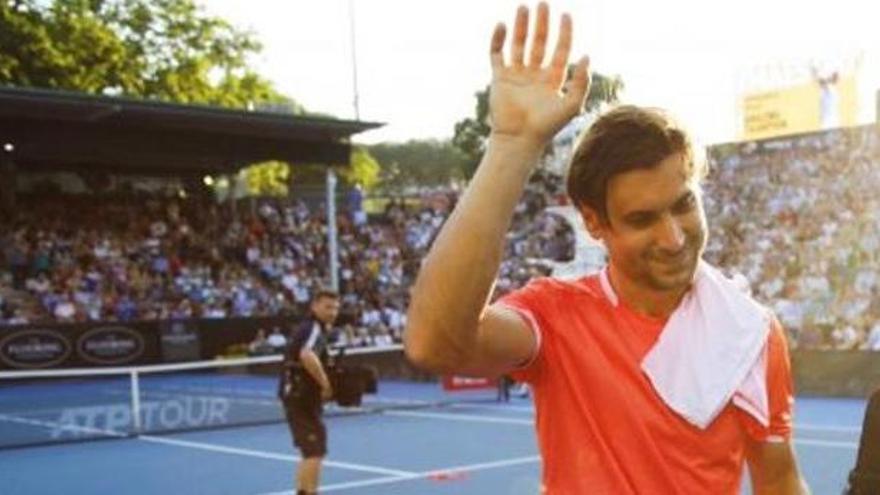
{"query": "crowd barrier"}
(816, 372)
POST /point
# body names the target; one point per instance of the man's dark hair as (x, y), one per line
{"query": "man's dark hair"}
(624, 139)
(325, 293)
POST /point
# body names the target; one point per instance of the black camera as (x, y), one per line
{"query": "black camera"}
(350, 383)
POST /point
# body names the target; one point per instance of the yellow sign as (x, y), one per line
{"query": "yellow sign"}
(798, 109)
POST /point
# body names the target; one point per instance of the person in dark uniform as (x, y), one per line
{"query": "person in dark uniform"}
(305, 386)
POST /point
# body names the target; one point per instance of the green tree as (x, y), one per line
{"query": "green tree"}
(363, 170)
(603, 90)
(267, 178)
(471, 133)
(165, 49)
(419, 163)
(274, 178)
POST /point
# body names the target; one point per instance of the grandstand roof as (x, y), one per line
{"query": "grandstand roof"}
(53, 130)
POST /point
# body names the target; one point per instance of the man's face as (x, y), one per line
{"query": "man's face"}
(656, 228)
(326, 309)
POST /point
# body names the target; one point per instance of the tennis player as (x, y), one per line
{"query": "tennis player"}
(657, 375)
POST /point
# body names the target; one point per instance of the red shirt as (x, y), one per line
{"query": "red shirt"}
(601, 426)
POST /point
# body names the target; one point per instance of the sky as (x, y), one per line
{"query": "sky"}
(419, 62)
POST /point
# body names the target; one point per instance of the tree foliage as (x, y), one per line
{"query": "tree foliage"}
(275, 178)
(471, 132)
(164, 49)
(419, 163)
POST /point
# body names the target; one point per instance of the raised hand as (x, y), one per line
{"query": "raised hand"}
(527, 100)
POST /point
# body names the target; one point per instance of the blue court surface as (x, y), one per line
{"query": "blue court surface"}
(462, 448)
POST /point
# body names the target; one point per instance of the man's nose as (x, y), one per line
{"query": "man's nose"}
(671, 236)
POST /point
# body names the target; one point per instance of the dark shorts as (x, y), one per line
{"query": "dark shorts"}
(307, 427)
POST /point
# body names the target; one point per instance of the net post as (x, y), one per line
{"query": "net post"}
(135, 403)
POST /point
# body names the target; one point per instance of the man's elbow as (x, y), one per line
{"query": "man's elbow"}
(774, 470)
(425, 354)
(418, 351)
(795, 486)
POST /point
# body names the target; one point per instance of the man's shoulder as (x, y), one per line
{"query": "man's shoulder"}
(586, 284)
(586, 288)
(306, 323)
(303, 328)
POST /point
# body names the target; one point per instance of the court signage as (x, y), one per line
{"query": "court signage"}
(34, 348)
(452, 383)
(110, 345)
(115, 420)
(180, 341)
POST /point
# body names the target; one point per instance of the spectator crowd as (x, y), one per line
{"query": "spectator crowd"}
(135, 256)
(798, 217)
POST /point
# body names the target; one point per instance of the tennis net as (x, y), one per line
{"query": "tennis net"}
(52, 406)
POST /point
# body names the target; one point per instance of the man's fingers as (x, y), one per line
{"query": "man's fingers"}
(520, 33)
(495, 50)
(576, 88)
(563, 46)
(539, 42)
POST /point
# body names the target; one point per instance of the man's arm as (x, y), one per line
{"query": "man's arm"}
(312, 365)
(449, 326)
(773, 469)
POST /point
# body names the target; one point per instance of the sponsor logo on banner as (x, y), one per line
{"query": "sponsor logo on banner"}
(110, 345)
(179, 334)
(34, 348)
(453, 383)
(180, 341)
(155, 415)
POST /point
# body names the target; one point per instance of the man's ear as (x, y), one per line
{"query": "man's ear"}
(593, 221)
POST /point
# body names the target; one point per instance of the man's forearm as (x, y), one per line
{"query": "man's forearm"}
(457, 276)
(313, 367)
(773, 470)
(793, 485)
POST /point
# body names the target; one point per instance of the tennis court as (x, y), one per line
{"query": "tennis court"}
(410, 438)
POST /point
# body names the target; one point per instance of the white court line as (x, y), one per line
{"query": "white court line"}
(61, 426)
(424, 474)
(813, 427)
(491, 465)
(461, 417)
(353, 484)
(494, 407)
(530, 422)
(358, 484)
(392, 400)
(486, 465)
(427, 474)
(825, 443)
(797, 426)
(208, 446)
(271, 455)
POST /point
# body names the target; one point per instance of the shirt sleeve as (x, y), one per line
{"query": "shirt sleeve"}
(780, 391)
(302, 337)
(529, 302)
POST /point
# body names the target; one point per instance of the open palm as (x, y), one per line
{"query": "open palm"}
(525, 100)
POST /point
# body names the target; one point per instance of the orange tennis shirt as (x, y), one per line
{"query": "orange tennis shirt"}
(601, 427)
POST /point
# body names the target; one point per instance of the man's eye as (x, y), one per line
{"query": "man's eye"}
(685, 205)
(641, 220)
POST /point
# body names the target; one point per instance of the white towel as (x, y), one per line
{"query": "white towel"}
(712, 350)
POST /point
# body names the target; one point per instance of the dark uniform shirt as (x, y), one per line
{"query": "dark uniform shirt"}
(295, 381)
